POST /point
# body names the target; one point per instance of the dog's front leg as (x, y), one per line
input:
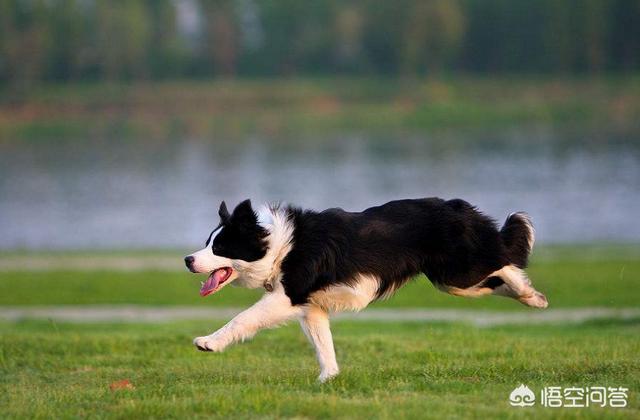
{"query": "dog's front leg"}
(315, 324)
(272, 309)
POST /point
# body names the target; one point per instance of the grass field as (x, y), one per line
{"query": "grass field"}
(567, 282)
(404, 370)
(389, 370)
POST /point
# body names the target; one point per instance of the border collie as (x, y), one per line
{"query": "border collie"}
(312, 264)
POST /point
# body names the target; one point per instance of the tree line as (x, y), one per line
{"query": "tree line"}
(60, 40)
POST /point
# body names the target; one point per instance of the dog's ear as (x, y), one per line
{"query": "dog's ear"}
(223, 212)
(244, 214)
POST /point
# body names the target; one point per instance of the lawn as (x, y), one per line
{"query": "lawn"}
(389, 370)
(567, 282)
(413, 370)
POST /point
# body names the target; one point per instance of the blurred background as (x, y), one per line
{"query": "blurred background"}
(123, 124)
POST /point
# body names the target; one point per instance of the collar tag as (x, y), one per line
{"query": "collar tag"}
(268, 286)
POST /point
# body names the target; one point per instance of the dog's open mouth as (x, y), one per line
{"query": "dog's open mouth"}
(215, 280)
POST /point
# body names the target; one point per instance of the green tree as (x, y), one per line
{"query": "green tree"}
(221, 36)
(123, 38)
(25, 40)
(433, 35)
(66, 30)
(167, 55)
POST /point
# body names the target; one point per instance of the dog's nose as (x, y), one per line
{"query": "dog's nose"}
(188, 261)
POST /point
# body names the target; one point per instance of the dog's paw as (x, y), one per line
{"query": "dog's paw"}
(535, 300)
(327, 375)
(207, 343)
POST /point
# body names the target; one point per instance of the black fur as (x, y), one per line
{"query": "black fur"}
(515, 234)
(241, 237)
(449, 241)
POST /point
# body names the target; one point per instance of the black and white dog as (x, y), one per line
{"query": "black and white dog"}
(312, 264)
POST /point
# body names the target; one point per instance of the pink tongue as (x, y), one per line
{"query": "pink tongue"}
(213, 281)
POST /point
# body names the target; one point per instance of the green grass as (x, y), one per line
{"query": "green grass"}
(404, 370)
(566, 282)
(298, 106)
(389, 370)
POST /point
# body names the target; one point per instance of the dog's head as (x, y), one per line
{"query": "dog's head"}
(239, 239)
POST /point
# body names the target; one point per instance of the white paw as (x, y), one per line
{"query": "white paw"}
(208, 343)
(327, 375)
(535, 300)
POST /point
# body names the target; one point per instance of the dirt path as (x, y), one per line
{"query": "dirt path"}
(152, 314)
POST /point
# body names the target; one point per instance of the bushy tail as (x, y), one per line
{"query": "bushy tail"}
(518, 236)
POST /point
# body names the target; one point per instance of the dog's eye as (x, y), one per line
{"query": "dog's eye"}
(216, 249)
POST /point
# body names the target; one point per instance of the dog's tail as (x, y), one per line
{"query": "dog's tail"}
(518, 237)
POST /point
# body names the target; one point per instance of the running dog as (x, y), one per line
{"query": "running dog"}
(312, 264)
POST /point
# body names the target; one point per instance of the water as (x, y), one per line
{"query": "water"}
(578, 185)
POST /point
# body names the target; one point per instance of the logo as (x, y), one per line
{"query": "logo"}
(571, 397)
(522, 396)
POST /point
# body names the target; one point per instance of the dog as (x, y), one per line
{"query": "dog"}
(313, 264)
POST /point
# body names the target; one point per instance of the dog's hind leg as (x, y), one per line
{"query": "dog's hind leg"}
(315, 324)
(517, 286)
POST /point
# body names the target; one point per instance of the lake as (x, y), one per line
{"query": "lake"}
(579, 185)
